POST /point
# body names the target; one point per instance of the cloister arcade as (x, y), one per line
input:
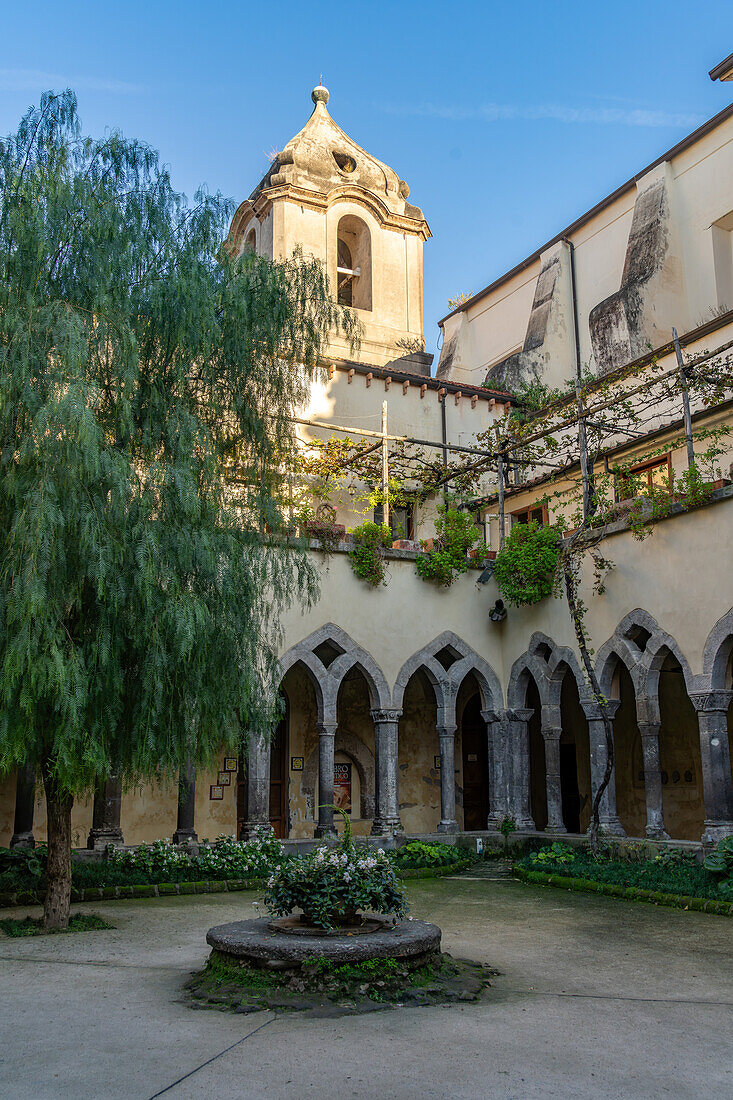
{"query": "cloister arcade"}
(446, 748)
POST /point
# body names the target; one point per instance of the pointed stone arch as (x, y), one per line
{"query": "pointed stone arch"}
(717, 653)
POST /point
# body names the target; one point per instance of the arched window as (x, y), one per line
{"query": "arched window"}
(354, 263)
(251, 243)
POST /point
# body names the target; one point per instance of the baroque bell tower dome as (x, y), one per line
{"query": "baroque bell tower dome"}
(338, 203)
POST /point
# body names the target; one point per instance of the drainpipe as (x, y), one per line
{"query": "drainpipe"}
(445, 444)
(587, 473)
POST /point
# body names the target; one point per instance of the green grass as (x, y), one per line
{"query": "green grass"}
(33, 926)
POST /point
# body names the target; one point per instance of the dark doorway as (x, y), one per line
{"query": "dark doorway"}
(569, 788)
(475, 767)
(279, 781)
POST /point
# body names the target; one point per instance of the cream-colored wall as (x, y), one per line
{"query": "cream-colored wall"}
(699, 195)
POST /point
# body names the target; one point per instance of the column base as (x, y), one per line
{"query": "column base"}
(612, 827)
(556, 830)
(449, 827)
(716, 830)
(22, 840)
(252, 829)
(387, 827)
(100, 839)
(185, 836)
(657, 832)
(325, 831)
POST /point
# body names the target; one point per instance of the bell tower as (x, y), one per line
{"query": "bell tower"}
(340, 204)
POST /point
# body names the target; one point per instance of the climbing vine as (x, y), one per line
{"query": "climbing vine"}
(367, 557)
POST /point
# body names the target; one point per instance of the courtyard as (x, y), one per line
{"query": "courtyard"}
(595, 997)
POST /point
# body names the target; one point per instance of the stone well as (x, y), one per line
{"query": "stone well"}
(262, 943)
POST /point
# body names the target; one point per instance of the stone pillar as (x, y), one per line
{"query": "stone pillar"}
(518, 767)
(106, 829)
(551, 736)
(652, 780)
(607, 813)
(326, 739)
(495, 727)
(25, 798)
(448, 823)
(185, 830)
(387, 810)
(712, 715)
(256, 787)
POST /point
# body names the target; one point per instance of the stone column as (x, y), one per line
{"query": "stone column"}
(518, 767)
(495, 750)
(25, 798)
(106, 829)
(652, 780)
(185, 830)
(712, 715)
(607, 813)
(551, 736)
(387, 810)
(448, 823)
(256, 787)
(326, 739)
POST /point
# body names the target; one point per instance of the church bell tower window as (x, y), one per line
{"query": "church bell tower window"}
(354, 263)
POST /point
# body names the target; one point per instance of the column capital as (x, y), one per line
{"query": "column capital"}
(551, 733)
(711, 702)
(326, 729)
(386, 715)
(519, 714)
(447, 732)
(594, 713)
(649, 730)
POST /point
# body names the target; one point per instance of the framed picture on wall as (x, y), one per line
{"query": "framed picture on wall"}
(230, 764)
(436, 763)
(296, 763)
(216, 792)
(225, 779)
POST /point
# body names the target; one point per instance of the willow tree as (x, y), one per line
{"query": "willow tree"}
(146, 380)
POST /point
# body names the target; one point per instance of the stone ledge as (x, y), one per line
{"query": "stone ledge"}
(629, 893)
(254, 941)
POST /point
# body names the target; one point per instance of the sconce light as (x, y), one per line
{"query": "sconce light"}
(497, 614)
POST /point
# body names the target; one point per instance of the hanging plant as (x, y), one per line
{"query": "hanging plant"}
(526, 567)
(455, 535)
(325, 529)
(367, 557)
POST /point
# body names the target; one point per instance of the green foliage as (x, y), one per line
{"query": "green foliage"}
(455, 535)
(331, 885)
(226, 858)
(33, 926)
(147, 379)
(507, 826)
(367, 557)
(720, 864)
(526, 567)
(631, 867)
(22, 868)
(418, 854)
(556, 855)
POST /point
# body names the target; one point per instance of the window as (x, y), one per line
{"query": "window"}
(536, 514)
(251, 243)
(722, 236)
(644, 477)
(401, 521)
(354, 263)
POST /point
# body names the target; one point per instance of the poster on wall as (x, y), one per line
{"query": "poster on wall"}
(342, 787)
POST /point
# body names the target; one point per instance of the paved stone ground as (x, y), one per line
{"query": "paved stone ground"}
(597, 998)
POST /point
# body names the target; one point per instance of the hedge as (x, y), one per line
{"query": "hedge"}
(630, 893)
(172, 889)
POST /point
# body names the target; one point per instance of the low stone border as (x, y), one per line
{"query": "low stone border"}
(208, 886)
(629, 893)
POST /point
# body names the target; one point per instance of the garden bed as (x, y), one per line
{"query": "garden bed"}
(672, 877)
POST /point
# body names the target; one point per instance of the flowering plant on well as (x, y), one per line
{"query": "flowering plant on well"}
(332, 885)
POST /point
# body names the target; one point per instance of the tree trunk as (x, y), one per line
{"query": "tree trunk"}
(57, 902)
(576, 613)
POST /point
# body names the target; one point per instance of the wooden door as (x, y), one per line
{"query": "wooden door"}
(475, 767)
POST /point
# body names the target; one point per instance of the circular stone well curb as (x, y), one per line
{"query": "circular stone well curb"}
(254, 941)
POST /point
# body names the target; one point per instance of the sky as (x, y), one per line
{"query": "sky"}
(508, 120)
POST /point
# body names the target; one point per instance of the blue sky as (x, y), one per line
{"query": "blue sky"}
(507, 120)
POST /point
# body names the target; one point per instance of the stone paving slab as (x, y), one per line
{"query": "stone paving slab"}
(597, 998)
